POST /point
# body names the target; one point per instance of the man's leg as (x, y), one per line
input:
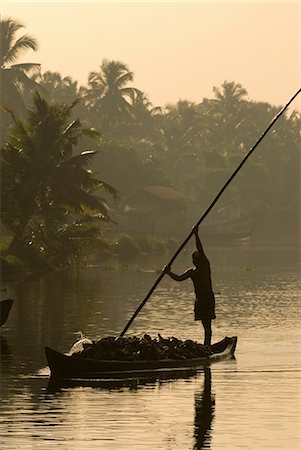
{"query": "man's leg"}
(208, 331)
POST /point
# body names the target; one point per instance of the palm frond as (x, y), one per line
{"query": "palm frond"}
(125, 78)
(91, 133)
(157, 110)
(27, 67)
(40, 104)
(108, 188)
(130, 91)
(8, 28)
(72, 128)
(21, 77)
(25, 42)
(81, 160)
(76, 199)
(9, 111)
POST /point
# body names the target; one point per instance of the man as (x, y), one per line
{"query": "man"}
(204, 306)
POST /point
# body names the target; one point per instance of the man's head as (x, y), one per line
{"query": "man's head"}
(196, 258)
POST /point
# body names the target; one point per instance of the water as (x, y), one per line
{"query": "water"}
(251, 402)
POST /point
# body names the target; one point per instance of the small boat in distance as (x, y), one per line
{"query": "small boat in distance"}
(232, 224)
(5, 307)
(64, 367)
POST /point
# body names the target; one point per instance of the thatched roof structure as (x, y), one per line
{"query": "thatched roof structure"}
(154, 198)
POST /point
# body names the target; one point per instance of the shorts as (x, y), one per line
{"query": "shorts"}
(204, 308)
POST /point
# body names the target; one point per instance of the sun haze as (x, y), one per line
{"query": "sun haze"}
(176, 50)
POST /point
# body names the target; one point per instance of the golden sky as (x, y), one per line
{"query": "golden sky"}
(177, 50)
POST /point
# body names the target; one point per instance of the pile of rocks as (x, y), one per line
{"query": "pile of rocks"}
(146, 348)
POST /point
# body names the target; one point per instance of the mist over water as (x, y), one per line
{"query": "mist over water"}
(250, 402)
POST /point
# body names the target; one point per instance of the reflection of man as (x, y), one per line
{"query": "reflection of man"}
(204, 307)
(204, 413)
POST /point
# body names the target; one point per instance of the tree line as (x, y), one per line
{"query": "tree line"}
(54, 177)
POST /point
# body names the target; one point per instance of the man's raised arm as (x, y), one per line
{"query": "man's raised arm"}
(198, 242)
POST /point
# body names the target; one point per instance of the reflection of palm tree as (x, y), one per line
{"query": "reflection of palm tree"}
(204, 413)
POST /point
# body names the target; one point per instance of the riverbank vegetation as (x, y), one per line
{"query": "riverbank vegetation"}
(71, 154)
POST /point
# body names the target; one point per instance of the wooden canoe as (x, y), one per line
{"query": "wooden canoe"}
(74, 367)
(5, 306)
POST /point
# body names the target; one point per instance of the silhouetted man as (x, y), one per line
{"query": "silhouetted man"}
(204, 306)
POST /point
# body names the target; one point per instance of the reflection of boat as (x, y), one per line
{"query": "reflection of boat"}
(5, 351)
(5, 354)
(128, 380)
(74, 367)
(5, 306)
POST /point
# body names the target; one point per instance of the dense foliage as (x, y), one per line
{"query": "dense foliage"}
(15, 79)
(45, 187)
(193, 147)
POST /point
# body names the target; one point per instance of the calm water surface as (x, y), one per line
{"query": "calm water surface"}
(251, 402)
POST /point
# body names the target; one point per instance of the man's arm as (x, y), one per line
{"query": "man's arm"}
(184, 276)
(198, 242)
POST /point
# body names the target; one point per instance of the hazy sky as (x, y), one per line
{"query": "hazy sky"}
(175, 49)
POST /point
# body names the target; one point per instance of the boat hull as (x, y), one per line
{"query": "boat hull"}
(73, 367)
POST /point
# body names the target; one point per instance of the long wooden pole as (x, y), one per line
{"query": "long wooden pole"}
(208, 210)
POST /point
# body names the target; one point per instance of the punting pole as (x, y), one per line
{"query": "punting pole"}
(209, 209)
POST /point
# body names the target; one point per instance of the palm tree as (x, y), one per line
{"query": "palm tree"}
(146, 117)
(42, 176)
(227, 113)
(229, 94)
(109, 95)
(181, 126)
(14, 77)
(57, 89)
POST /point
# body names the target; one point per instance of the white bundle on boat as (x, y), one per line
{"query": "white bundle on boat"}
(78, 346)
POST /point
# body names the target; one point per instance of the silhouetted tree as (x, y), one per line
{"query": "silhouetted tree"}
(14, 77)
(57, 89)
(109, 96)
(41, 174)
